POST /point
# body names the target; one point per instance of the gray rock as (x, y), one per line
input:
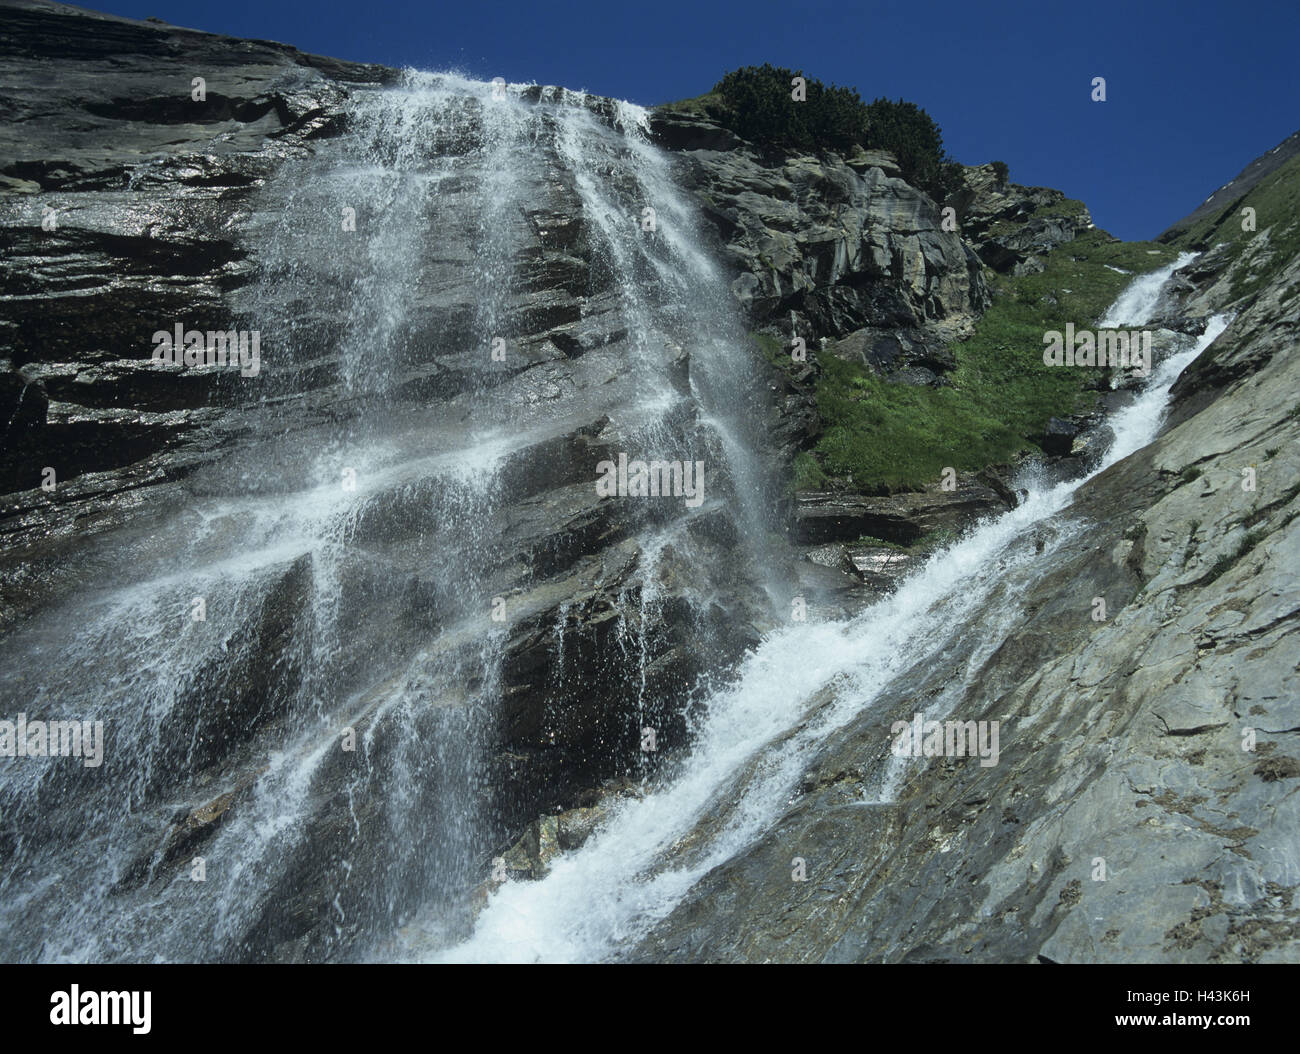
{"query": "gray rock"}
(901, 518)
(833, 244)
(1125, 821)
(1013, 227)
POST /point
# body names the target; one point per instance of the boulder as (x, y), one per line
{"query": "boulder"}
(901, 518)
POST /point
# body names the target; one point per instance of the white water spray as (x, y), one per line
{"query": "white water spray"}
(759, 733)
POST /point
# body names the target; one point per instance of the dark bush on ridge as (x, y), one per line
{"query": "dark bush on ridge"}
(756, 105)
(762, 111)
(911, 135)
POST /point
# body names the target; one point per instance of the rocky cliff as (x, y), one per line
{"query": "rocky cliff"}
(476, 595)
(356, 515)
(1143, 807)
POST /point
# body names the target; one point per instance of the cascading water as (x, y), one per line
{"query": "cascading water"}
(333, 581)
(1137, 303)
(759, 732)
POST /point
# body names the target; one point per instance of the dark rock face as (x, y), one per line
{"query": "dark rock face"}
(1013, 226)
(117, 207)
(901, 518)
(905, 355)
(1059, 436)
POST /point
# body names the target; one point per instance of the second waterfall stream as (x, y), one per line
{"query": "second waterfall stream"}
(802, 683)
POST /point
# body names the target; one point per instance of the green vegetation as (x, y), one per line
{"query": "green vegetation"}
(882, 437)
(1247, 543)
(759, 108)
(911, 135)
(773, 350)
(709, 105)
(755, 102)
(808, 475)
(1275, 242)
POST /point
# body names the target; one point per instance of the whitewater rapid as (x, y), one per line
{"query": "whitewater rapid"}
(758, 733)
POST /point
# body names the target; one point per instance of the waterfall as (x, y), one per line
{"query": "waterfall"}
(1137, 303)
(801, 684)
(334, 573)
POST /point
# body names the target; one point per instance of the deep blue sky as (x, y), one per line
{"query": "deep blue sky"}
(1195, 88)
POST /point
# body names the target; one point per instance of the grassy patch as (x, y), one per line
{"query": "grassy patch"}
(777, 353)
(1276, 202)
(1066, 207)
(1252, 539)
(881, 437)
(808, 475)
(710, 105)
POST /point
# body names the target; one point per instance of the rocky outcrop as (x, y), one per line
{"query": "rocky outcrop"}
(117, 203)
(823, 246)
(841, 253)
(902, 518)
(1013, 227)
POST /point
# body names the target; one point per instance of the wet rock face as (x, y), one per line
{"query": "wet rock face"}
(119, 203)
(126, 206)
(903, 519)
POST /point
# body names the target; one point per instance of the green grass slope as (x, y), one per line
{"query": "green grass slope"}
(881, 437)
